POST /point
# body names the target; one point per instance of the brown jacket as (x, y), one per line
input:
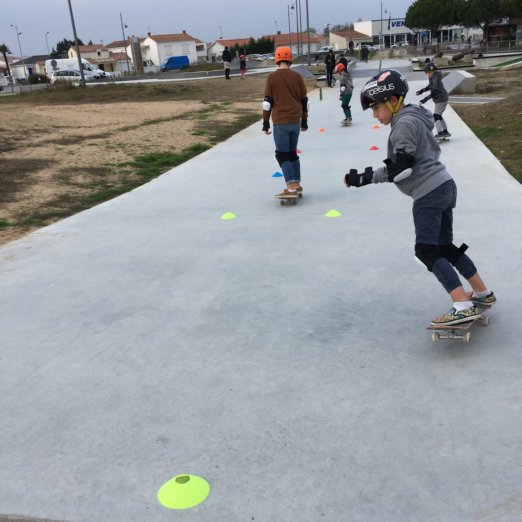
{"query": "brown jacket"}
(287, 90)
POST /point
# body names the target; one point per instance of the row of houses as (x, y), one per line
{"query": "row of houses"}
(143, 54)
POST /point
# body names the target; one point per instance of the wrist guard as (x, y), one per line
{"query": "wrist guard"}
(304, 123)
(266, 125)
(354, 179)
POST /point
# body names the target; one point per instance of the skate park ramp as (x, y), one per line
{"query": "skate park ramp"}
(280, 355)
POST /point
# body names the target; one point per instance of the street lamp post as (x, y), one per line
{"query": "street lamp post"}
(300, 30)
(47, 42)
(380, 33)
(20, 48)
(220, 27)
(77, 45)
(289, 26)
(308, 34)
(123, 26)
(275, 22)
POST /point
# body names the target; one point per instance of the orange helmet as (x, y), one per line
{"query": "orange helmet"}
(339, 68)
(283, 54)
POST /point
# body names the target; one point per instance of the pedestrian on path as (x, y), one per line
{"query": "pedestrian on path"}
(286, 102)
(413, 165)
(227, 59)
(242, 66)
(330, 66)
(440, 97)
(345, 94)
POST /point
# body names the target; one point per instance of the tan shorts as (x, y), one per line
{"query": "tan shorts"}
(226, 65)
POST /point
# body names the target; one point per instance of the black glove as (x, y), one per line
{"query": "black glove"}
(354, 179)
(424, 100)
(418, 93)
(304, 123)
(266, 125)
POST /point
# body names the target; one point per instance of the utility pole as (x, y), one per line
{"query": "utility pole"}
(125, 40)
(20, 48)
(308, 33)
(77, 46)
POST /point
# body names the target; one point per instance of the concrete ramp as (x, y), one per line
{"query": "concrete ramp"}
(460, 82)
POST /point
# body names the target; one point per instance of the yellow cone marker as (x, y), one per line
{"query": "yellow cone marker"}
(333, 214)
(228, 215)
(183, 492)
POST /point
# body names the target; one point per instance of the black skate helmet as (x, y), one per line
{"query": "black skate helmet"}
(430, 67)
(382, 87)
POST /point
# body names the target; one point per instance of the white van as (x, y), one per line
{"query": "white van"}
(60, 64)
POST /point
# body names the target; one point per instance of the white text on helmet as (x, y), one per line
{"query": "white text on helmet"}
(380, 88)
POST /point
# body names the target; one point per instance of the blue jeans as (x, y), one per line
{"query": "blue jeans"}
(433, 220)
(285, 139)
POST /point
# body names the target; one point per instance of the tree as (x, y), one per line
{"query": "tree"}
(263, 45)
(63, 46)
(348, 26)
(5, 51)
(433, 14)
(484, 12)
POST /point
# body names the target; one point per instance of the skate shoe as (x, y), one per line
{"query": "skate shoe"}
(445, 134)
(286, 194)
(299, 191)
(454, 317)
(487, 300)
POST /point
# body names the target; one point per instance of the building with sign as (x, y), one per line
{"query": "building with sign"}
(387, 32)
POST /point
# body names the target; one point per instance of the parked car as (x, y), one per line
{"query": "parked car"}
(72, 76)
(325, 49)
(254, 57)
(172, 63)
(399, 45)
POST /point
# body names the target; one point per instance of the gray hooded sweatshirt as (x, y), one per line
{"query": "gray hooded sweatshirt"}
(411, 132)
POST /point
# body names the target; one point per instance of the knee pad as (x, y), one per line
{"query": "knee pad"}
(282, 157)
(437, 116)
(453, 253)
(427, 254)
(293, 155)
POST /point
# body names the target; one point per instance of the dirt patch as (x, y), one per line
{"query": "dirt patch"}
(65, 150)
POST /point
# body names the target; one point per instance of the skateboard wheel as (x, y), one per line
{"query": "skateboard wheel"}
(300, 195)
(435, 337)
(466, 337)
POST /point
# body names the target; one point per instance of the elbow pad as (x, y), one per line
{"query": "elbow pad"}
(267, 103)
(401, 168)
(304, 104)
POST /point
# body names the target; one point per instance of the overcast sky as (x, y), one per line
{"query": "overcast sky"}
(99, 20)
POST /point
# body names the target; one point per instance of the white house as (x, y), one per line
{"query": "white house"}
(216, 48)
(156, 47)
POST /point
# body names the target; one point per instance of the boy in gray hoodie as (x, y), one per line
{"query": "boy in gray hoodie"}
(440, 97)
(413, 165)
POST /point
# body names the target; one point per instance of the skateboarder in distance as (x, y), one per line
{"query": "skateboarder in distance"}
(413, 165)
(440, 97)
(286, 102)
(346, 90)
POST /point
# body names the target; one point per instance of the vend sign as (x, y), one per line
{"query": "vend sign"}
(397, 23)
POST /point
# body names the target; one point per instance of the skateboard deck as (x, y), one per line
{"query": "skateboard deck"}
(440, 140)
(291, 200)
(456, 331)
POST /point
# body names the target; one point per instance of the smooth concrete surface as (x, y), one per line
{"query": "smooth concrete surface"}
(281, 355)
